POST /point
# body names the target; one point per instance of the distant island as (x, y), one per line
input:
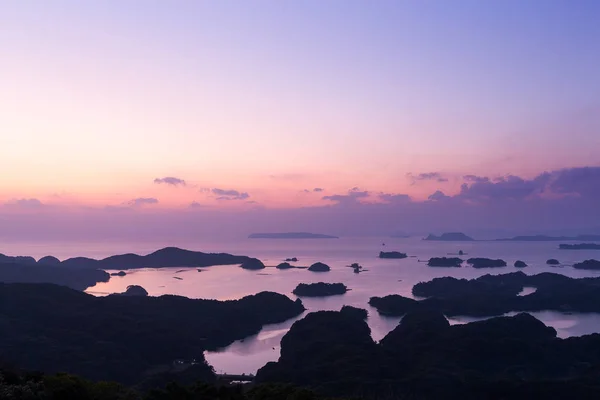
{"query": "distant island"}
(450, 237)
(580, 246)
(545, 238)
(291, 235)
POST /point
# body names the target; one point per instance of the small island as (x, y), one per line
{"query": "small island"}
(553, 261)
(292, 259)
(284, 265)
(320, 289)
(445, 262)
(392, 254)
(580, 246)
(588, 264)
(520, 264)
(319, 267)
(120, 273)
(291, 235)
(450, 237)
(486, 263)
(252, 264)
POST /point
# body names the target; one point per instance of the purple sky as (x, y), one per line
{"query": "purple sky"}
(347, 117)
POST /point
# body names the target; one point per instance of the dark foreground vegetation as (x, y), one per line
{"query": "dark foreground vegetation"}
(20, 385)
(491, 295)
(426, 358)
(124, 338)
(320, 289)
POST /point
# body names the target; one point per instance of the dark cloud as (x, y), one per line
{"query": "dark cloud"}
(170, 180)
(476, 179)
(141, 201)
(584, 182)
(25, 203)
(509, 187)
(352, 197)
(394, 198)
(318, 190)
(427, 176)
(231, 194)
(438, 195)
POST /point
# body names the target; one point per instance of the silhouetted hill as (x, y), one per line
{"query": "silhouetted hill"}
(450, 237)
(53, 328)
(167, 257)
(75, 278)
(291, 235)
(424, 357)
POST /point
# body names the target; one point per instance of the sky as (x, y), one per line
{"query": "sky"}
(347, 117)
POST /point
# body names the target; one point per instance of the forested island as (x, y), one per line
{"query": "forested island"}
(450, 237)
(491, 295)
(545, 238)
(580, 246)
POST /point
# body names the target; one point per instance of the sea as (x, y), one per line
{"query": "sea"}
(380, 277)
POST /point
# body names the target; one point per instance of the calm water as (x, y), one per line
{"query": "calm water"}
(383, 277)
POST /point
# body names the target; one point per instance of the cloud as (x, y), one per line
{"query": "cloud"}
(427, 176)
(229, 194)
(318, 190)
(352, 197)
(394, 198)
(141, 201)
(438, 195)
(584, 182)
(170, 180)
(509, 187)
(25, 203)
(476, 179)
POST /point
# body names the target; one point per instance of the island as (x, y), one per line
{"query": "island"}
(392, 254)
(252, 264)
(520, 264)
(291, 235)
(545, 238)
(320, 289)
(292, 259)
(580, 246)
(491, 295)
(588, 264)
(445, 262)
(120, 273)
(450, 237)
(478, 262)
(553, 261)
(284, 265)
(319, 267)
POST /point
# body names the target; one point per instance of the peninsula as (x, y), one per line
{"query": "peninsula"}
(545, 238)
(291, 235)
